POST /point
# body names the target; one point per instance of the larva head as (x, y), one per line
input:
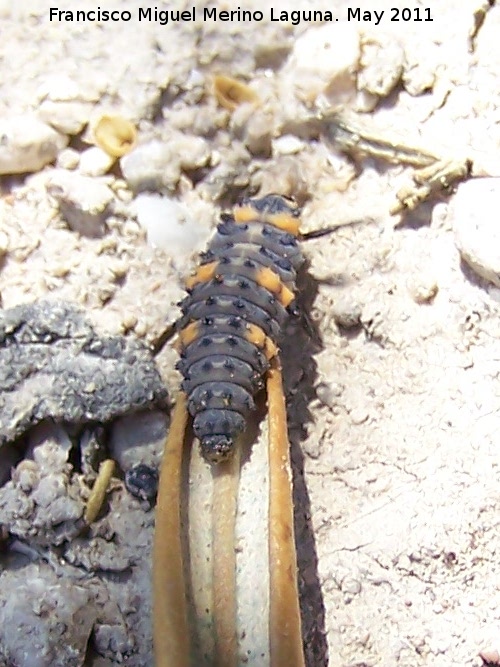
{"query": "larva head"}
(273, 203)
(216, 448)
(277, 210)
(217, 430)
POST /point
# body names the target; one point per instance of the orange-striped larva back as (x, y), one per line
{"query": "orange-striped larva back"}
(233, 318)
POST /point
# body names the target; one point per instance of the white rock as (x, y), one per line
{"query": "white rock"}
(27, 144)
(95, 162)
(58, 88)
(159, 164)
(287, 145)
(193, 152)
(63, 88)
(324, 60)
(346, 312)
(473, 213)
(258, 135)
(168, 224)
(66, 117)
(381, 64)
(84, 202)
(150, 167)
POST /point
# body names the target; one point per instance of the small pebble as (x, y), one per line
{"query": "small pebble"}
(358, 415)
(346, 313)
(158, 164)
(423, 290)
(129, 322)
(287, 145)
(68, 159)
(84, 202)
(150, 167)
(27, 144)
(95, 162)
(258, 135)
(351, 586)
(26, 475)
(328, 393)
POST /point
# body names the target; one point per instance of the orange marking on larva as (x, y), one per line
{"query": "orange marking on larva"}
(285, 222)
(257, 337)
(286, 296)
(271, 281)
(189, 334)
(203, 274)
(268, 279)
(246, 214)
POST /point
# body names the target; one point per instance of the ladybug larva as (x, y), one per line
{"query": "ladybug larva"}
(233, 317)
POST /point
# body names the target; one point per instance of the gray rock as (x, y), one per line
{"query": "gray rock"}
(113, 641)
(43, 503)
(84, 202)
(98, 554)
(54, 366)
(27, 144)
(138, 438)
(43, 608)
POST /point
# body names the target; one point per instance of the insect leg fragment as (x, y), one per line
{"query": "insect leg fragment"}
(170, 627)
(284, 618)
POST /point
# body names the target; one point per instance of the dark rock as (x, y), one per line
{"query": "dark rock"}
(54, 366)
(142, 481)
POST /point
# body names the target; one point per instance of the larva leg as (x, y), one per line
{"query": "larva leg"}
(224, 504)
(285, 634)
(170, 627)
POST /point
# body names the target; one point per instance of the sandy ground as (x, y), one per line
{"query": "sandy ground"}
(393, 422)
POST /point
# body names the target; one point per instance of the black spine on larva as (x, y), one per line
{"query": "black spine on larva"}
(222, 368)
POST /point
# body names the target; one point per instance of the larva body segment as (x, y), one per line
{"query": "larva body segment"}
(233, 317)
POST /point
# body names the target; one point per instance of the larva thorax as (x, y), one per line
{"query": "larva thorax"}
(233, 317)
